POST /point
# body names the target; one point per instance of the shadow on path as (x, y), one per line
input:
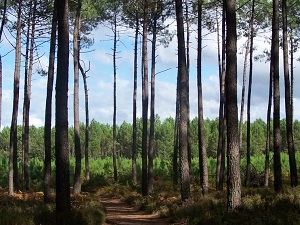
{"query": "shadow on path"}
(120, 213)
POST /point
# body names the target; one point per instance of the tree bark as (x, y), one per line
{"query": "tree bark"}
(233, 156)
(87, 123)
(115, 97)
(188, 71)
(13, 175)
(63, 202)
(222, 118)
(145, 101)
(276, 97)
(184, 105)
(152, 104)
(134, 128)
(249, 95)
(241, 123)
(288, 107)
(176, 136)
(1, 31)
(202, 147)
(48, 111)
(76, 59)
(27, 90)
(268, 140)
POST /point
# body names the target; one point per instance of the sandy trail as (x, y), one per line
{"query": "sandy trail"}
(120, 213)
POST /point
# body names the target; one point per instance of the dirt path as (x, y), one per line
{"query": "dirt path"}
(120, 213)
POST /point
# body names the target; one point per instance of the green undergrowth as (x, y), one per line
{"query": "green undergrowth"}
(28, 209)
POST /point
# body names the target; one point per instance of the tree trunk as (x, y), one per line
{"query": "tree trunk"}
(176, 136)
(202, 147)
(115, 98)
(48, 111)
(63, 203)
(13, 148)
(188, 71)
(184, 104)
(27, 91)
(145, 101)
(152, 104)
(241, 123)
(292, 75)
(276, 97)
(76, 58)
(1, 31)
(87, 123)
(222, 118)
(134, 129)
(268, 141)
(233, 156)
(288, 107)
(249, 95)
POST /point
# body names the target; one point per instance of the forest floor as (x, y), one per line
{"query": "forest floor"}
(118, 212)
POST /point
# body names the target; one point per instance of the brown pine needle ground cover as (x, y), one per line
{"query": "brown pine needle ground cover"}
(124, 205)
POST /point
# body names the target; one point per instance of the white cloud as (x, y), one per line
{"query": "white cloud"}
(100, 83)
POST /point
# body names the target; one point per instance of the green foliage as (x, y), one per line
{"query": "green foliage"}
(20, 212)
(261, 207)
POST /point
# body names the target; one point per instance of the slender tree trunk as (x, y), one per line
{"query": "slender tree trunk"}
(184, 104)
(249, 95)
(63, 203)
(1, 31)
(76, 59)
(115, 98)
(152, 104)
(276, 97)
(187, 21)
(288, 108)
(134, 129)
(292, 77)
(48, 111)
(202, 147)
(268, 141)
(247, 180)
(145, 101)
(233, 156)
(176, 136)
(27, 92)
(13, 175)
(222, 118)
(87, 123)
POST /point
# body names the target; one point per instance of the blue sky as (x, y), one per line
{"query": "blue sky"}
(100, 81)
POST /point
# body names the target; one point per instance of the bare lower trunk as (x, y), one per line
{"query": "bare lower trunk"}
(233, 156)
(13, 152)
(202, 146)
(288, 106)
(48, 111)
(87, 123)
(134, 129)
(152, 105)
(76, 57)
(115, 99)
(145, 102)
(222, 118)
(276, 97)
(184, 105)
(63, 201)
